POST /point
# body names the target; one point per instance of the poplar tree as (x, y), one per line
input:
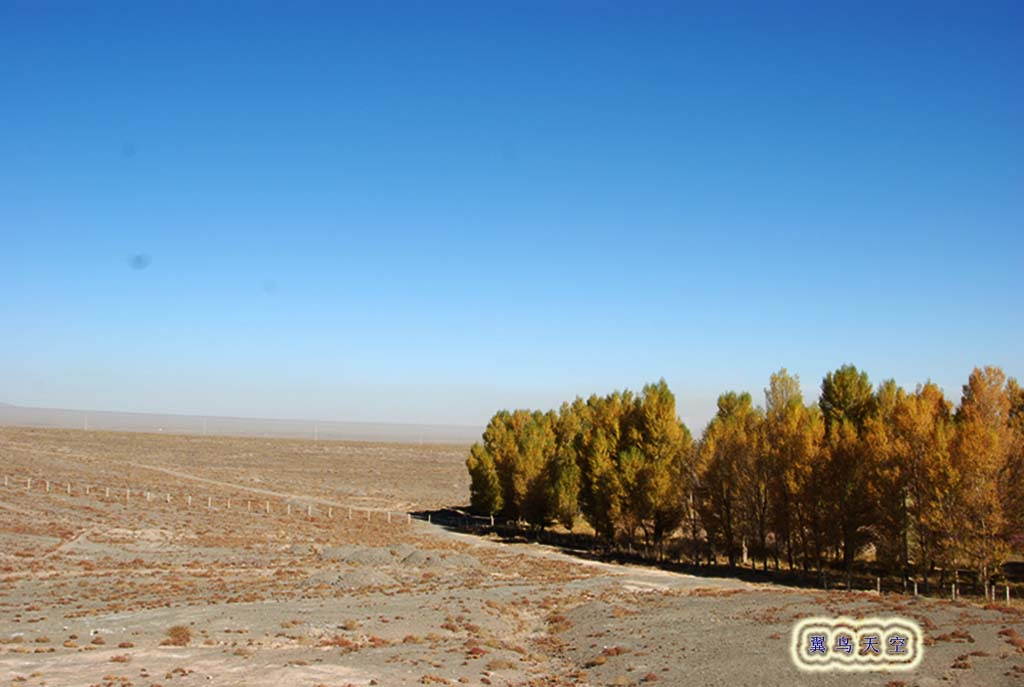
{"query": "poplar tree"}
(923, 429)
(563, 476)
(484, 488)
(605, 424)
(847, 402)
(729, 443)
(792, 435)
(981, 455)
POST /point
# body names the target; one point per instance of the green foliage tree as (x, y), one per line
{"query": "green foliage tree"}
(520, 446)
(601, 441)
(563, 476)
(847, 403)
(484, 489)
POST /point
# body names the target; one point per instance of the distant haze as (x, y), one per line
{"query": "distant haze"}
(236, 426)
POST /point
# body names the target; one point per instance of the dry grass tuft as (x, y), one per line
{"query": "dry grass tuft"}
(179, 635)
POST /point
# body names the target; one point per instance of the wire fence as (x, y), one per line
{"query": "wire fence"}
(286, 505)
(256, 504)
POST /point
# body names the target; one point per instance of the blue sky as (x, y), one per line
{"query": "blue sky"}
(424, 212)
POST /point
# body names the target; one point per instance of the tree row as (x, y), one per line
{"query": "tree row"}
(899, 478)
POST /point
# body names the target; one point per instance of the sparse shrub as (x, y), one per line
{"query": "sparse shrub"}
(179, 635)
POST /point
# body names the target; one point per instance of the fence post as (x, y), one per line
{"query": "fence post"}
(349, 513)
(107, 492)
(915, 587)
(268, 506)
(1007, 594)
(87, 489)
(289, 509)
(330, 512)
(952, 591)
(309, 510)
(878, 585)
(389, 516)
(428, 518)
(127, 494)
(209, 502)
(189, 498)
(248, 506)
(28, 483)
(168, 498)
(408, 518)
(228, 507)
(47, 486)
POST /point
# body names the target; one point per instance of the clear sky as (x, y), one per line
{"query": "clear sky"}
(424, 212)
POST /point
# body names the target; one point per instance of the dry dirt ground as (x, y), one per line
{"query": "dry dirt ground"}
(92, 582)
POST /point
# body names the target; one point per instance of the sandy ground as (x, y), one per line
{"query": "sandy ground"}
(91, 584)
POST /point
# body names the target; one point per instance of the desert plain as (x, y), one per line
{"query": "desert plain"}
(131, 559)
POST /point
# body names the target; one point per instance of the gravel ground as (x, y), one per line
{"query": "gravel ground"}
(91, 585)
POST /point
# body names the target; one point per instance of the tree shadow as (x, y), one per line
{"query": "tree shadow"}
(590, 548)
